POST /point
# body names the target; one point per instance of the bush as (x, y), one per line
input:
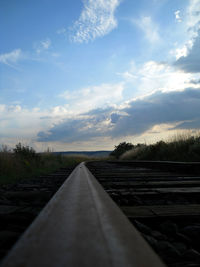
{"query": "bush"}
(23, 162)
(181, 148)
(24, 152)
(121, 149)
(133, 153)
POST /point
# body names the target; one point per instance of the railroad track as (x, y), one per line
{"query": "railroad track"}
(81, 225)
(162, 200)
(20, 203)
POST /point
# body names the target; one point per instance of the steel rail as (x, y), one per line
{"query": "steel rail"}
(81, 226)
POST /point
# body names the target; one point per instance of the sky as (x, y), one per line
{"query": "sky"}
(89, 74)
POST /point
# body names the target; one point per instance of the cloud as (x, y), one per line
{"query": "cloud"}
(61, 31)
(149, 28)
(159, 108)
(190, 62)
(178, 108)
(16, 121)
(177, 15)
(83, 127)
(96, 20)
(42, 45)
(46, 43)
(195, 81)
(187, 56)
(19, 122)
(94, 96)
(11, 58)
(183, 51)
(152, 75)
(71, 130)
(193, 15)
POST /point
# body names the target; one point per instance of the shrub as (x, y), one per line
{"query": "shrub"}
(24, 152)
(133, 153)
(181, 148)
(121, 149)
(24, 162)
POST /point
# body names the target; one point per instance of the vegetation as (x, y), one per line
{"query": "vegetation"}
(25, 152)
(180, 148)
(121, 149)
(23, 162)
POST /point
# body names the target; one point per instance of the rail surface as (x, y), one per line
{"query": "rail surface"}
(81, 226)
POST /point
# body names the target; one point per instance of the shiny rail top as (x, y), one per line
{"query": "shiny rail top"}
(81, 226)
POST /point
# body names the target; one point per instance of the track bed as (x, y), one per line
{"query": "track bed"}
(162, 201)
(20, 203)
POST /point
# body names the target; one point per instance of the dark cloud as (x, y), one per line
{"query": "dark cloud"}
(99, 111)
(141, 115)
(195, 81)
(114, 117)
(71, 130)
(191, 63)
(156, 109)
(193, 124)
(46, 117)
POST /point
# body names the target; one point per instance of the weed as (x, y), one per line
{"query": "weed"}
(182, 147)
(23, 162)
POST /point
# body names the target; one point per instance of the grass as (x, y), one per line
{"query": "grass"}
(15, 166)
(182, 147)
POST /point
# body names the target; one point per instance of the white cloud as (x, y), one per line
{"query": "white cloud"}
(96, 20)
(46, 43)
(190, 28)
(61, 31)
(94, 96)
(182, 51)
(153, 76)
(11, 58)
(177, 15)
(149, 28)
(17, 121)
(193, 16)
(191, 61)
(42, 45)
(188, 56)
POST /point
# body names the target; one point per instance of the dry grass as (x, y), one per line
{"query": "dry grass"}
(15, 167)
(181, 147)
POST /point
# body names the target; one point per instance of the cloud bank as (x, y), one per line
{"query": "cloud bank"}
(178, 108)
(96, 20)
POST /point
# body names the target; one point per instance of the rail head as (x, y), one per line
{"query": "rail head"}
(81, 226)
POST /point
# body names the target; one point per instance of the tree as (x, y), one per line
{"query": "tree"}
(121, 149)
(24, 152)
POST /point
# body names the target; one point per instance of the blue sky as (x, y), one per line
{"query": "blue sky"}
(86, 75)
